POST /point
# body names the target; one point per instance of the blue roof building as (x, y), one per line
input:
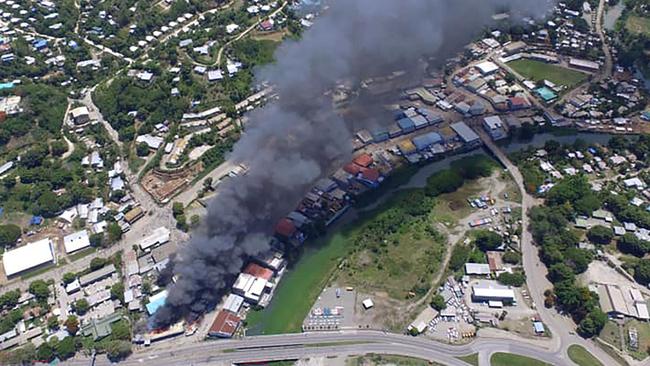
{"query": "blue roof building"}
(406, 124)
(36, 220)
(39, 44)
(156, 301)
(425, 141)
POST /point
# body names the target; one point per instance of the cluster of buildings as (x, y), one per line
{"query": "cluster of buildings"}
(620, 301)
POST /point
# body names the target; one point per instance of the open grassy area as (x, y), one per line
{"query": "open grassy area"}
(643, 330)
(637, 24)
(405, 222)
(582, 357)
(511, 359)
(470, 359)
(536, 71)
(375, 359)
(610, 334)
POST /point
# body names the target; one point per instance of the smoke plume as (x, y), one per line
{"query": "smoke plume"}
(291, 143)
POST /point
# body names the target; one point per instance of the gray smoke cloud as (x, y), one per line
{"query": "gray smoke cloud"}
(291, 143)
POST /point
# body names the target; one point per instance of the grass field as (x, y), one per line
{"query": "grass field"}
(582, 357)
(611, 334)
(637, 24)
(470, 359)
(536, 71)
(643, 330)
(511, 359)
(375, 360)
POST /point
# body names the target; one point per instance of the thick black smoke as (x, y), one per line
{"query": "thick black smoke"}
(293, 142)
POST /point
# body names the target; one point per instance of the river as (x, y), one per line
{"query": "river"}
(293, 297)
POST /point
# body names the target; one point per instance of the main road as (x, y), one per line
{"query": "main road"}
(328, 344)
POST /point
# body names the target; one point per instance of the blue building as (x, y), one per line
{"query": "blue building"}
(425, 141)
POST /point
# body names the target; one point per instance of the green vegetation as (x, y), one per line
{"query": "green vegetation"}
(558, 244)
(511, 359)
(582, 357)
(512, 279)
(402, 222)
(643, 330)
(470, 359)
(637, 24)
(438, 302)
(537, 71)
(376, 360)
(600, 234)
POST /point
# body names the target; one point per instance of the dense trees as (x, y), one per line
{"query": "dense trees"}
(630, 244)
(512, 279)
(487, 240)
(81, 306)
(40, 289)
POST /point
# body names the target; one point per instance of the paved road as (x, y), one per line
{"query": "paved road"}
(562, 327)
(343, 343)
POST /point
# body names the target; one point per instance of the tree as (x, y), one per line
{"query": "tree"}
(511, 257)
(207, 184)
(45, 352)
(96, 239)
(117, 350)
(58, 148)
(630, 244)
(97, 263)
(178, 209)
(9, 234)
(592, 324)
(72, 325)
(512, 279)
(194, 221)
(69, 277)
(66, 348)
(40, 289)
(600, 234)
(142, 149)
(117, 291)
(487, 240)
(560, 272)
(81, 306)
(114, 232)
(438, 302)
(53, 322)
(642, 272)
(26, 355)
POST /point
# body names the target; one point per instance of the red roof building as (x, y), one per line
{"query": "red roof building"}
(371, 175)
(225, 325)
(285, 228)
(258, 271)
(352, 168)
(364, 160)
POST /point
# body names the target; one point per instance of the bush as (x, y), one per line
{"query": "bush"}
(142, 149)
(512, 279)
(9, 234)
(438, 302)
(511, 257)
(630, 244)
(487, 240)
(600, 235)
(459, 257)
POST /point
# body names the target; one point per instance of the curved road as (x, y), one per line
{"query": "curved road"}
(344, 343)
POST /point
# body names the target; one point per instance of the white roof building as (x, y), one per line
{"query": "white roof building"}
(250, 287)
(487, 67)
(158, 237)
(367, 303)
(76, 241)
(477, 268)
(153, 142)
(233, 303)
(28, 256)
(490, 292)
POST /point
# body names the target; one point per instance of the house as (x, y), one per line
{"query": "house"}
(466, 134)
(80, 115)
(487, 68)
(494, 126)
(153, 142)
(487, 291)
(477, 269)
(76, 241)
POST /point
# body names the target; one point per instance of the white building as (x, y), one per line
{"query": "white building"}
(486, 292)
(233, 303)
(28, 256)
(158, 237)
(477, 268)
(76, 241)
(250, 287)
(487, 67)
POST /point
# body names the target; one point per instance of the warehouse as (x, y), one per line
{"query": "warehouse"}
(467, 135)
(406, 147)
(486, 292)
(225, 325)
(487, 68)
(406, 124)
(425, 141)
(494, 126)
(76, 241)
(584, 64)
(158, 237)
(28, 256)
(156, 301)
